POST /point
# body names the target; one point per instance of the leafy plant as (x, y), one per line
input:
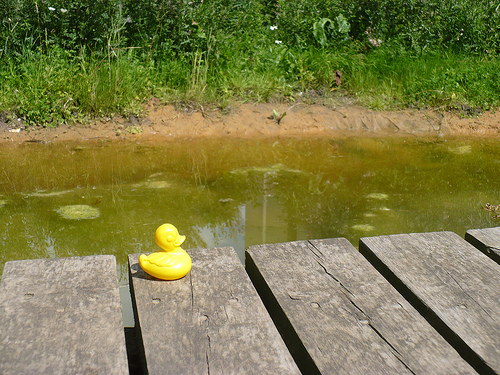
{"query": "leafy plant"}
(65, 60)
(276, 116)
(339, 33)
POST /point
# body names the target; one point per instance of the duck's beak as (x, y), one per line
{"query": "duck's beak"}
(180, 240)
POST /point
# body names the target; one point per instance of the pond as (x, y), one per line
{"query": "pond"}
(102, 197)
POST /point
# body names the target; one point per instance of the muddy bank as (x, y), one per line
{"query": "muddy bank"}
(163, 122)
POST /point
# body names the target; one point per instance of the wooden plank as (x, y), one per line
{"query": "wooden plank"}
(452, 284)
(487, 240)
(210, 322)
(61, 316)
(340, 316)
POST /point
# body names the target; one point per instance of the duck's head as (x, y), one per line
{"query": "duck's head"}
(168, 238)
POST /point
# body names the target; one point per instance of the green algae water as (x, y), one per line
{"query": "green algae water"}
(100, 197)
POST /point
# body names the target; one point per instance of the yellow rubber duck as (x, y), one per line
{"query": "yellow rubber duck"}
(173, 262)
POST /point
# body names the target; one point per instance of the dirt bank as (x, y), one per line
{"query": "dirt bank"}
(257, 120)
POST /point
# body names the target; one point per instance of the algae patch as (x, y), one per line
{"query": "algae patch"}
(273, 169)
(379, 196)
(461, 150)
(363, 227)
(153, 185)
(45, 193)
(78, 212)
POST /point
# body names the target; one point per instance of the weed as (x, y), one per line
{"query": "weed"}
(69, 60)
(494, 209)
(276, 116)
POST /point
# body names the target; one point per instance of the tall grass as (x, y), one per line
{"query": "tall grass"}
(62, 62)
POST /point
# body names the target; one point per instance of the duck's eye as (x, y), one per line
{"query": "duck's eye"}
(170, 238)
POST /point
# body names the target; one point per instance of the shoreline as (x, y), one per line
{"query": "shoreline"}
(165, 122)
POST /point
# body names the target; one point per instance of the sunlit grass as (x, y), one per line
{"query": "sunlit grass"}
(56, 87)
(68, 61)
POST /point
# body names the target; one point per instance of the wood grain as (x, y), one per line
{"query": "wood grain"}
(61, 316)
(487, 240)
(346, 316)
(455, 286)
(210, 322)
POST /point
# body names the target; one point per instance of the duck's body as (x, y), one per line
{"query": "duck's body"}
(163, 265)
(173, 262)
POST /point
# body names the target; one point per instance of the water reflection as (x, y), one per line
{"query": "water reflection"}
(239, 192)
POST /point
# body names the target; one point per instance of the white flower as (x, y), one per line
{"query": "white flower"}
(273, 27)
(375, 42)
(278, 41)
(63, 10)
(52, 9)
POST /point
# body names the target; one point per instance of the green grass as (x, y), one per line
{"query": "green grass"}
(52, 88)
(56, 87)
(69, 61)
(438, 79)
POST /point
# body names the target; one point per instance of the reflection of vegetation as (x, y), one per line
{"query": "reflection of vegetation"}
(312, 188)
(30, 228)
(253, 182)
(338, 189)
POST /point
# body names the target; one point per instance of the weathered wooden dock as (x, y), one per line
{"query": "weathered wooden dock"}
(210, 322)
(426, 303)
(61, 316)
